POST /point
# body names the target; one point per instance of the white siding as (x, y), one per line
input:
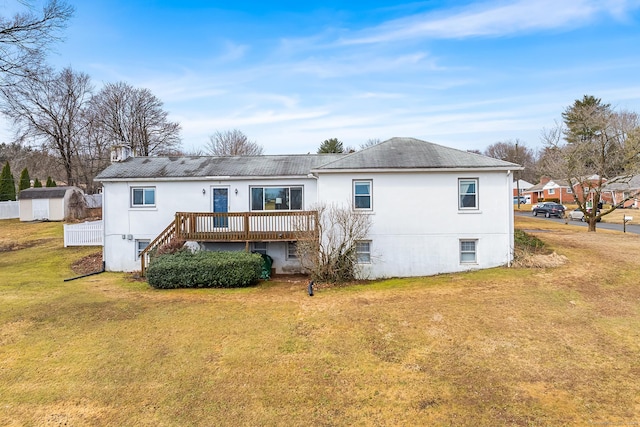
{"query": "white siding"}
(417, 225)
(416, 230)
(124, 224)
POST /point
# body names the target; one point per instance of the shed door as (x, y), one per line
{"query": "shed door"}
(40, 208)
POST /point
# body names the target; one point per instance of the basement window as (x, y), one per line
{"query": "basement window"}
(468, 251)
(141, 245)
(363, 252)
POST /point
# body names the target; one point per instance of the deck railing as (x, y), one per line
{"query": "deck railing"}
(236, 227)
(244, 226)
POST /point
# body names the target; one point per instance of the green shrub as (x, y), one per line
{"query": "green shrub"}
(204, 269)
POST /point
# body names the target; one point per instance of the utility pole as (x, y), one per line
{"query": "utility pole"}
(517, 178)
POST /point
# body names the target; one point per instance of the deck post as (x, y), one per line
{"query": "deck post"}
(246, 225)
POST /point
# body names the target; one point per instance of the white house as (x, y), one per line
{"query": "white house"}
(433, 209)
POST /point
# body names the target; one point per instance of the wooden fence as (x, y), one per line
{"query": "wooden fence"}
(89, 233)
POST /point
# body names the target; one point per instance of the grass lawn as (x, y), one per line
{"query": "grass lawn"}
(505, 346)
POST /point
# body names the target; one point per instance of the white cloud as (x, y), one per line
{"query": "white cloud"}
(491, 19)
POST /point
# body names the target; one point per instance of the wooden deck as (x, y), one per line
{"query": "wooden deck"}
(270, 226)
(245, 226)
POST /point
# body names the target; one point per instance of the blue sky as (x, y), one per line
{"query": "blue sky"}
(291, 74)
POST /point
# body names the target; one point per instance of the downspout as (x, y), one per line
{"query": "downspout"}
(510, 229)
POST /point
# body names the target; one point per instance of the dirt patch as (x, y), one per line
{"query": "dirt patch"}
(12, 245)
(531, 260)
(88, 264)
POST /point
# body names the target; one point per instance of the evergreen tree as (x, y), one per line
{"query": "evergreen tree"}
(332, 145)
(25, 180)
(37, 183)
(50, 182)
(7, 184)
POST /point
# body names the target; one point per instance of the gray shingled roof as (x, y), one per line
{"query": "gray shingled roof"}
(411, 153)
(396, 153)
(623, 183)
(187, 167)
(44, 192)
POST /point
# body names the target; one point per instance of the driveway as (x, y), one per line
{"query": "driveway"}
(631, 228)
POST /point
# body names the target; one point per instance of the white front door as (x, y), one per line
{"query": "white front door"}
(40, 208)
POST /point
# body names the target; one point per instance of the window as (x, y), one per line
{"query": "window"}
(363, 252)
(143, 197)
(552, 191)
(141, 245)
(468, 251)
(569, 191)
(362, 195)
(468, 193)
(291, 250)
(260, 247)
(276, 198)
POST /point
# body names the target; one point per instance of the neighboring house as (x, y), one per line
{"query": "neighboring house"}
(433, 209)
(548, 189)
(621, 189)
(557, 189)
(49, 203)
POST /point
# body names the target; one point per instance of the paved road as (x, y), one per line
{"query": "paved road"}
(631, 228)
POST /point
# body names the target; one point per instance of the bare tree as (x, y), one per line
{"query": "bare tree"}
(515, 151)
(94, 154)
(50, 108)
(333, 256)
(370, 143)
(25, 37)
(232, 143)
(136, 117)
(594, 145)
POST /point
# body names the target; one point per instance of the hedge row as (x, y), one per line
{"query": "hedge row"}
(204, 269)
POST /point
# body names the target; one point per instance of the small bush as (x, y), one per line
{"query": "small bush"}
(526, 242)
(204, 269)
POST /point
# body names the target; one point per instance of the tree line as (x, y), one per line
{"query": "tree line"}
(60, 114)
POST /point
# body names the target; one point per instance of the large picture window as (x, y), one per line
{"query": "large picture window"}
(468, 193)
(143, 196)
(362, 195)
(276, 198)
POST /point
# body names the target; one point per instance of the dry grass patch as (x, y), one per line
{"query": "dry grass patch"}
(505, 346)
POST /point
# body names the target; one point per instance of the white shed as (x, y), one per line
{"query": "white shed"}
(47, 203)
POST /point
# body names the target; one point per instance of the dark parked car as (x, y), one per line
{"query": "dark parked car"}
(549, 209)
